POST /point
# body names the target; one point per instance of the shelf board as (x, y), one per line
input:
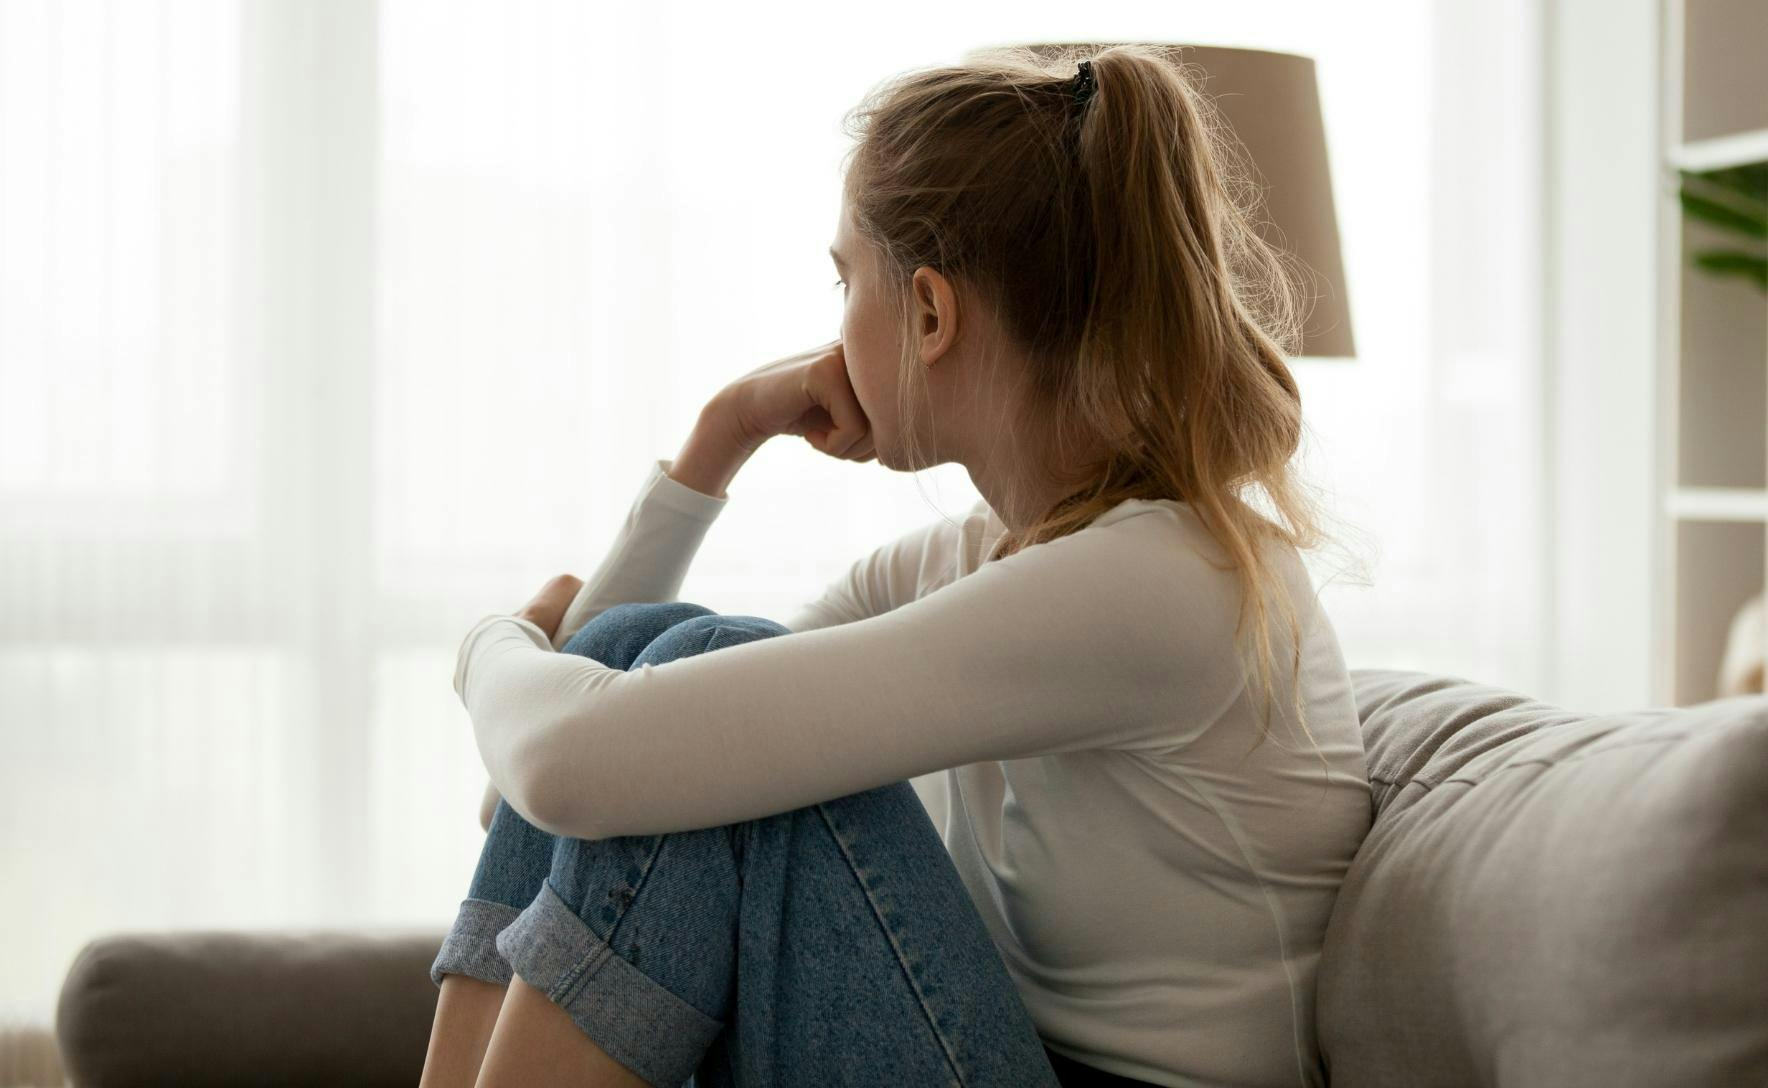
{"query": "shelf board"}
(1722, 151)
(1718, 504)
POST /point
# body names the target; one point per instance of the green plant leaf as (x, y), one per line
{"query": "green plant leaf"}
(1749, 180)
(1742, 220)
(1730, 262)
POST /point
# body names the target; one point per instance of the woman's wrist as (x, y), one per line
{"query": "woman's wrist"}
(713, 453)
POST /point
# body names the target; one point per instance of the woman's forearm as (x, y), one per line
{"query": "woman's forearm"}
(713, 453)
(708, 461)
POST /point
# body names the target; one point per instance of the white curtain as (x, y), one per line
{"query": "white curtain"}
(328, 327)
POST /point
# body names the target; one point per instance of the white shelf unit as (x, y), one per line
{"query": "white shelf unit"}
(1713, 351)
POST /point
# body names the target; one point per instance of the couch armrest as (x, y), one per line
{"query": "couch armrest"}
(294, 1007)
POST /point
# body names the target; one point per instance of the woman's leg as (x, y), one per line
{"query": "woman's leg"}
(466, 1012)
(832, 944)
(513, 864)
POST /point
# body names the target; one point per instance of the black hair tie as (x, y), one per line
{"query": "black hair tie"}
(1083, 83)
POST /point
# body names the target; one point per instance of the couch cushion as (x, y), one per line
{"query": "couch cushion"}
(219, 1008)
(1551, 898)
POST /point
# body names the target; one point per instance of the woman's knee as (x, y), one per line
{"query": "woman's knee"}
(703, 633)
(668, 904)
(514, 859)
(618, 633)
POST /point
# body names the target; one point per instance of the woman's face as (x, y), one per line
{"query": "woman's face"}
(871, 340)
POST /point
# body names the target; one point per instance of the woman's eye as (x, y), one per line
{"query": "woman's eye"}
(840, 283)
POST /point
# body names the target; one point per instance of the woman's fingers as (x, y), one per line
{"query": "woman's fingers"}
(835, 394)
(860, 451)
(808, 394)
(547, 608)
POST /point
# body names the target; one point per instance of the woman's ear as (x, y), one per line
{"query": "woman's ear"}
(936, 313)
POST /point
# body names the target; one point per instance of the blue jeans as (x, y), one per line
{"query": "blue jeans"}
(833, 944)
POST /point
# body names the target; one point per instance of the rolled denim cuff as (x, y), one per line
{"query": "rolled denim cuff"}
(471, 945)
(633, 1018)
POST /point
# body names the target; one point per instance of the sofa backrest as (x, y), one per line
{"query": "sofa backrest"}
(1551, 898)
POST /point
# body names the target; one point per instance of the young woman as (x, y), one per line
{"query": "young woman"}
(706, 860)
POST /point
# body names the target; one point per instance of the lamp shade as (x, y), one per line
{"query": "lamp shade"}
(1271, 103)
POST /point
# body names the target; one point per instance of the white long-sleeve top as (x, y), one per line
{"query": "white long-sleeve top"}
(1158, 886)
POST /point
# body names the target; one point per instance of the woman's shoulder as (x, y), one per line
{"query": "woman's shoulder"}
(1156, 549)
(1157, 523)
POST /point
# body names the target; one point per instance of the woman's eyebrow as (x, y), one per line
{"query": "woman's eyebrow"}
(836, 257)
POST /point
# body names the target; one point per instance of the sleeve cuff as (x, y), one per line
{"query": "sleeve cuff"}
(662, 489)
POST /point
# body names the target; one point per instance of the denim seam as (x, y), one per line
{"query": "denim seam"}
(902, 957)
(586, 968)
(572, 983)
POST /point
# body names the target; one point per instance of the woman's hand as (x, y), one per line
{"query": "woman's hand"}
(807, 394)
(547, 609)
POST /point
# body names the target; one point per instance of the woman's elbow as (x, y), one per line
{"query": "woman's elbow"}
(532, 804)
(555, 792)
(545, 799)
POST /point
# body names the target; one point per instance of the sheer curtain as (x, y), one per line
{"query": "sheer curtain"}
(327, 328)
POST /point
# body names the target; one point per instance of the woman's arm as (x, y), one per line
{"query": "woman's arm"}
(900, 570)
(649, 559)
(1116, 636)
(675, 506)
(806, 394)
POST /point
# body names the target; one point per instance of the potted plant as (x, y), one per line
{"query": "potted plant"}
(1735, 200)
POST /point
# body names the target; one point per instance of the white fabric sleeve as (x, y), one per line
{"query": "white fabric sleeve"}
(647, 561)
(651, 554)
(1105, 638)
(893, 574)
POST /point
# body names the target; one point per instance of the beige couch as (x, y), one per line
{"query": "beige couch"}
(1546, 898)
